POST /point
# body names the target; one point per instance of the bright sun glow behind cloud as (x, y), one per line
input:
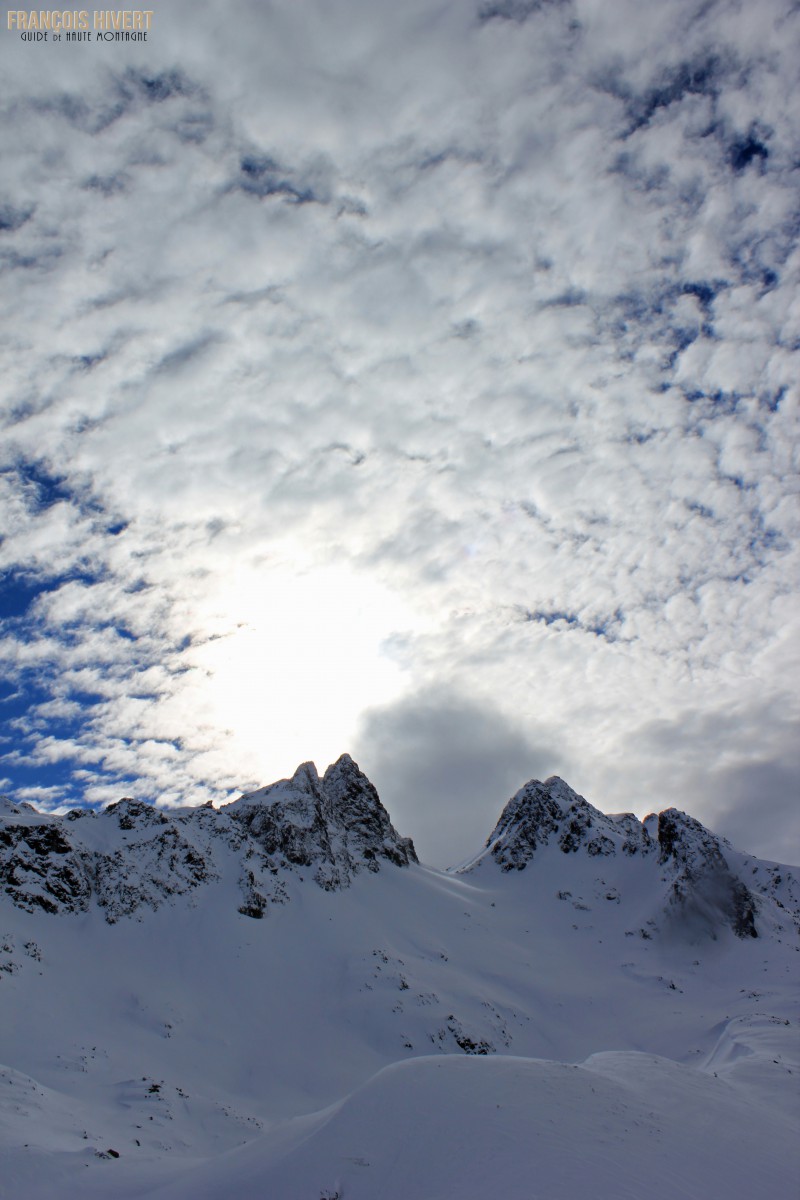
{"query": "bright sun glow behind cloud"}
(419, 376)
(292, 661)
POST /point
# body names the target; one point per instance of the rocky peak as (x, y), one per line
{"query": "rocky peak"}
(704, 889)
(684, 840)
(541, 814)
(39, 868)
(305, 780)
(335, 826)
(355, 805)
(135, 814)
(695, 891)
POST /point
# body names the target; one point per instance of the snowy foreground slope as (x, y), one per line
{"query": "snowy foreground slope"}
(275, 1001)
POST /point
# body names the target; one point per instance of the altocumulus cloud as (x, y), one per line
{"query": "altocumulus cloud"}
(481, 317)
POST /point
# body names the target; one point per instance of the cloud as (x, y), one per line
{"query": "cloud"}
(299, 291)
(444, 765)
(735, 767)
(755, 807)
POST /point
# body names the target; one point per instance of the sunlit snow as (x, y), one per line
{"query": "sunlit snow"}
(570, 1015)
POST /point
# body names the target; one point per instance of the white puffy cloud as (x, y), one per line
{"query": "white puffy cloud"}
(478, 322)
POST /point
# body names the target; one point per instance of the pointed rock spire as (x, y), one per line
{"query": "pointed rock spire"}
(704, 889)
(551, 812)
(336, 825)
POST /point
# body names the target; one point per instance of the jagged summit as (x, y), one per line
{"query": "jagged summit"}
(540, 814)
(133, 855)
(335, 825)
(673, 873)
(694, 886)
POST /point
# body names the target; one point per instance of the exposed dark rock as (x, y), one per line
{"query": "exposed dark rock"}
(149, 871)
(135, 814)
(336, 826)
(705, 891)
(39, 869)
(541, 812)
(526, 822)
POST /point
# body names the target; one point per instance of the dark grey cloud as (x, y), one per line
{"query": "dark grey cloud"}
(12, 218)
(735, 768)
(445, 765)
(756, 806)
(516, 10)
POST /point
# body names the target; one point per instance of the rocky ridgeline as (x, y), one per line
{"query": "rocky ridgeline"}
(335, 826)
(329, 829)
(39, 866)
(696, 875)
(550, 812)
(132, 855)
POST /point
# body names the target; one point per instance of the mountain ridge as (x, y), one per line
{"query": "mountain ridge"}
(134, 855)
(581, 969)
(703, 887)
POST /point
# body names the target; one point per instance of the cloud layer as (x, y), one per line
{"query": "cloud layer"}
(477, 321)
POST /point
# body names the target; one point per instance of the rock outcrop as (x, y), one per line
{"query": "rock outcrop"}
(694, 887)
(551, 813)
(134, 856)
(335, 826)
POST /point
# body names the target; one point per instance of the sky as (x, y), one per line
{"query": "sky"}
(413, 380)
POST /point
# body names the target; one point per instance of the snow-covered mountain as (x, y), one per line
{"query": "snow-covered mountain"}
(698, 882)
(275, 999)
(133, 856)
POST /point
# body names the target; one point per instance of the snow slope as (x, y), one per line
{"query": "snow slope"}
(275, 1000)
(619, 1125)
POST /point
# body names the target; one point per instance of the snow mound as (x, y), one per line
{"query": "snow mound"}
(518, 1128)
